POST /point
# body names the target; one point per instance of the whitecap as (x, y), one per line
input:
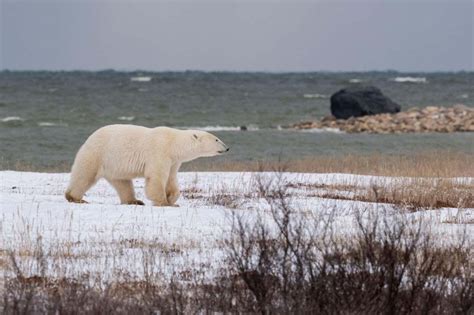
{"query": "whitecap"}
(50, 124)
(126, 118)
(316, 95)
(355, 81)
(410, 80)
(464, 96)
(322, 130)
(140, 79)
(46, 124)
(225, 128)
(12, 118)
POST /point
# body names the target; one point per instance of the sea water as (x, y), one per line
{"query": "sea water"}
(46, 116)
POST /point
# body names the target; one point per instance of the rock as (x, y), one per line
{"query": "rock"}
(430, 119)
(328, 118)
(430, 109)
(469, 125)
(359, 101)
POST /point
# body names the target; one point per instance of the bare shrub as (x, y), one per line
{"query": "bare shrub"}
(390, 266)
(414, 194)
(225, 199)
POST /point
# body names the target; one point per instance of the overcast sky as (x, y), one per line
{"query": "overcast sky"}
(350, 35)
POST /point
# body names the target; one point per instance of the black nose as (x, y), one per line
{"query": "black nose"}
(227, 150)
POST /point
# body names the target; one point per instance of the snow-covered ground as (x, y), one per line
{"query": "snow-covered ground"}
(104, 237)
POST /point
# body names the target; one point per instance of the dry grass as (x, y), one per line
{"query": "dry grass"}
(425, 164)
(410, 193)
(414, 193)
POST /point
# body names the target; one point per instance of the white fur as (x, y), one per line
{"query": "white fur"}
(120, 153)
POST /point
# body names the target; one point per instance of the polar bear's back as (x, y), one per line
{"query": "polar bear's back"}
(117, 150)
(109, 139)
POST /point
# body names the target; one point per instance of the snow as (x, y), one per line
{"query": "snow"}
(87, 236)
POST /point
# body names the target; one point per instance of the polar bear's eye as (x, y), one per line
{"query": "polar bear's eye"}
(217, 140)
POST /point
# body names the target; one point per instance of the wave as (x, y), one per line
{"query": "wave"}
(12, 119)
(464, 96)
(410, 80)
(50, 124)
(126, 118)
(225, 128)
(322, 130)
(316, 95)
(355, 81)
(140, 79)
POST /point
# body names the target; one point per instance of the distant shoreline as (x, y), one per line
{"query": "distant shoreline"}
(2, 71)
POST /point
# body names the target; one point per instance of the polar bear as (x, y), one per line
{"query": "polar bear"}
(120, 153)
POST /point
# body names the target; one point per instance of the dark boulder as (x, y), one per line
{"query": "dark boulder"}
(360, 101)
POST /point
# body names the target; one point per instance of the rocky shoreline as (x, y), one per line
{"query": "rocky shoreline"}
(458, 118)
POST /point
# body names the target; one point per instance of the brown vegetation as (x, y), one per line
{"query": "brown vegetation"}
(440, 163)
(423, 164)
(414, 193)
(409, 193)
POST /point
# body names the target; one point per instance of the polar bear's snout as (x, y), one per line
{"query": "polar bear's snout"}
(224, 148)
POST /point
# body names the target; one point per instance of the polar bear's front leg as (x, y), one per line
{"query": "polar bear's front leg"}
(155, 191)
(156, 177)
(172, 189)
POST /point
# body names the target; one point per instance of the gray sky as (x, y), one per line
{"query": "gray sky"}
(351, 35)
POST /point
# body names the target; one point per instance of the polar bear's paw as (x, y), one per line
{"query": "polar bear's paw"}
(135, 202)
(72, 199)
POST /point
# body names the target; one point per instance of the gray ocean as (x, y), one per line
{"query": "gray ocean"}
(46, 116)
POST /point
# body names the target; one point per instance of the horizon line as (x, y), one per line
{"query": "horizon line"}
(238, 71)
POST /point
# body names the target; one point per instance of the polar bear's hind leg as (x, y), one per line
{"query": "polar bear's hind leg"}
(125, 191)
(80, 183)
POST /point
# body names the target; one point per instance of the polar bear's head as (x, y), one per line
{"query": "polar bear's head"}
(206, 144)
